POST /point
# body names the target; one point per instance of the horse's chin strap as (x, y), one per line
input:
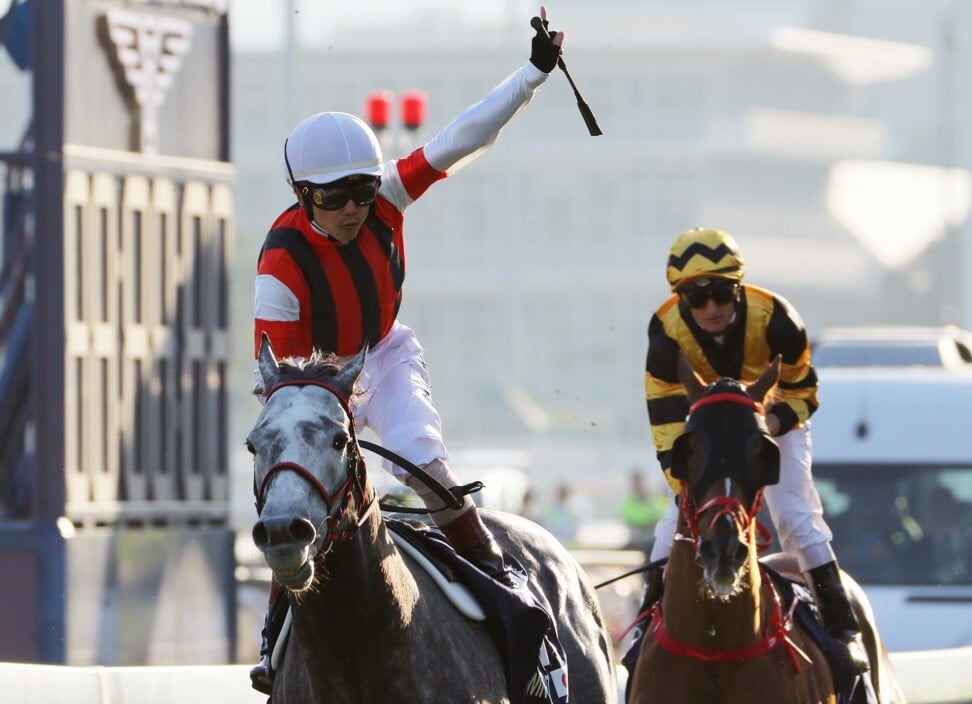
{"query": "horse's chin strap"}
(776, 635)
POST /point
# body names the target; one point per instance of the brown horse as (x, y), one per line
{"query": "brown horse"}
(369, 625)
(720, 632)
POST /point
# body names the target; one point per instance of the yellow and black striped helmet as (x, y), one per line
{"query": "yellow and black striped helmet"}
(704, 253)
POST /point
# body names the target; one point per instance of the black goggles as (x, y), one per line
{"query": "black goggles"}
(334, 196)
(722, 292)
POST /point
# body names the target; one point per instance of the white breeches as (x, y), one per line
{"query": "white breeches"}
(395, 402)
(793, 503)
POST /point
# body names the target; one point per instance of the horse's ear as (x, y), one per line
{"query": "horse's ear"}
(694, 386)
(346, 378)
(267, 363)
(762, 386)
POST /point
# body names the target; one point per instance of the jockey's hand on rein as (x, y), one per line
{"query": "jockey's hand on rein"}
(544, 52)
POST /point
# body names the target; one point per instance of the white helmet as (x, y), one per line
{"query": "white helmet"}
(329, 146)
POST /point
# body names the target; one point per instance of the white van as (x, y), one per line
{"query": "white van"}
(892, 460)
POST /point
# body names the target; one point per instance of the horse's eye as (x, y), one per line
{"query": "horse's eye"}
(340, 442)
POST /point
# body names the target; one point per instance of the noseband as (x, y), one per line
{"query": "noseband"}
(352, 489)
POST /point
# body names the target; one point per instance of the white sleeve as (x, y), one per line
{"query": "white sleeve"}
(475, 130)
(274, 301)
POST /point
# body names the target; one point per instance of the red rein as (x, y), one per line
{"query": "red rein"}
(777, 634)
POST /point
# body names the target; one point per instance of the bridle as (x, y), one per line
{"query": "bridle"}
(352, 490)
(726, 505)
(779, 625)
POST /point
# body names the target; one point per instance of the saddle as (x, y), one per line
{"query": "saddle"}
(444, 577)
(522, 629)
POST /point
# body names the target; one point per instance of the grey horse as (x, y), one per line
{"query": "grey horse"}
(368, 624)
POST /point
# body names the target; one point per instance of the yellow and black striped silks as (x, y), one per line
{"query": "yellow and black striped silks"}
(765, 325)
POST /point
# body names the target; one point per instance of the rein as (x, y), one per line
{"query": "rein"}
(777, 634)
(354, 486)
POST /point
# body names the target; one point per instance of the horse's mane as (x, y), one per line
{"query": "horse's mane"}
(320, 366)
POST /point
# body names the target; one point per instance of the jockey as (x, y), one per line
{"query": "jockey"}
(330, 276)
(729, 329)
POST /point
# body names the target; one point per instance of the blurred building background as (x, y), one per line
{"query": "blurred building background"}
(829, 136)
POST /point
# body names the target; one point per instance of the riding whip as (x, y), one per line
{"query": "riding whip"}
(585, 110)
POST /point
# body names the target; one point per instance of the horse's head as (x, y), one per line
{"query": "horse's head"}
(723, 459)
(308, 476)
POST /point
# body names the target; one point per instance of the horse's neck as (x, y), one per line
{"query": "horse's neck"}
(366, 590)
(691, 618)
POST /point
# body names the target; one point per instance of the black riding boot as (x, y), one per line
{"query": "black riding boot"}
(487, 555)
(836, 613)
(261, 676)
(472, 540)
(654, 583)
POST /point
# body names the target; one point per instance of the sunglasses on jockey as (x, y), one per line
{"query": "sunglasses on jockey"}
(697, 294)
(361, 190)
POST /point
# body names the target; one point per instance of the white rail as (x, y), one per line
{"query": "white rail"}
(928, 677)
(935, 676)
(54, 684)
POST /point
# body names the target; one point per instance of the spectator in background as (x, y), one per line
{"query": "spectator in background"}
(561, 518)
(640, 510)
(528, 509)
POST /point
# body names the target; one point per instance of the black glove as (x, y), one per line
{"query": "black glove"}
(543, 52)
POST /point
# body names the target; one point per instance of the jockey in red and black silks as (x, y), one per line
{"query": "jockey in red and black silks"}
(359, 287)
(331, 272)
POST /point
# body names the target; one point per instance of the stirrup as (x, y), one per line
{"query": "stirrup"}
(261, 676)
(856, 652)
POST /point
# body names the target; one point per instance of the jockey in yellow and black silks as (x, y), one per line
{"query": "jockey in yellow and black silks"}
(726, 328)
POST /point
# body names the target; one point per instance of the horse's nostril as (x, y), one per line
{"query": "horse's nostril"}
(260, 536)
(279, 531)
(742, 553)
(302, 531)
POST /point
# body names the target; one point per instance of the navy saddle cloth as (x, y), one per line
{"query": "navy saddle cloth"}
(524, 632)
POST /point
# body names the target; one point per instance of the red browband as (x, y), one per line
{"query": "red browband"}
(726, 398)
